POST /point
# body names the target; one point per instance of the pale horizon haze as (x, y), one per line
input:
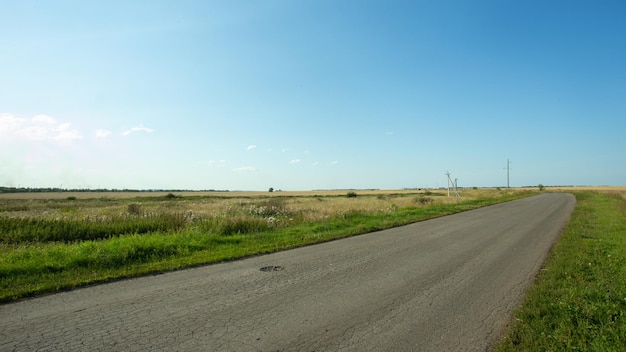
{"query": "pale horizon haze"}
(311, 94)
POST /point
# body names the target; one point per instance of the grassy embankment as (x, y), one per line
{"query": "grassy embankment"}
(578, 302)
(48, 245)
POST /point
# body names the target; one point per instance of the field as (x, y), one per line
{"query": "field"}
(57, 241)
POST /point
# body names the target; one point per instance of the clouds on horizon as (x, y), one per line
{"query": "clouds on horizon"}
(39, 128)
(46, 128)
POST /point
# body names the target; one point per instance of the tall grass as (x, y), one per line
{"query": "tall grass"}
(18, 230)
(579, 300)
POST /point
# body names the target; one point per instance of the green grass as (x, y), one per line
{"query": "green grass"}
(40, 255)
(579, 300)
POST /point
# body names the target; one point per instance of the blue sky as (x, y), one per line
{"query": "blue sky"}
(311, 94)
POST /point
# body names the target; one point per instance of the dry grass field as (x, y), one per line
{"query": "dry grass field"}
(313, 205)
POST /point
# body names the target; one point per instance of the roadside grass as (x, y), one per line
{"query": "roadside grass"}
(578, 302)
(48, 246)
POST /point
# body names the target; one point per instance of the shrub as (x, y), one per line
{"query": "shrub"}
(424, 200)
(134, 209)
(351, 194)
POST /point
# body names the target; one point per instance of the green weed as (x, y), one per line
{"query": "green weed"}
(579, 301)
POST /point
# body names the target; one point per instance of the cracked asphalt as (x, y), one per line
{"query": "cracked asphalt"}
(447, 284)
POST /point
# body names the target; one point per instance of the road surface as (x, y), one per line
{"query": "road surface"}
(447, 284)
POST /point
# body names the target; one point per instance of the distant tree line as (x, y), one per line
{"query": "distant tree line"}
(58, 189)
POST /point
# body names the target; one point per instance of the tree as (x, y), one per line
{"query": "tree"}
(271, 189)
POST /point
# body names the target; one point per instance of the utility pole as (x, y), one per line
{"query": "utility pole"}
(450, 182)
(507, 172)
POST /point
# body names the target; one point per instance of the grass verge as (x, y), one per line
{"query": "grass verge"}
(578, 302)
(31, 265)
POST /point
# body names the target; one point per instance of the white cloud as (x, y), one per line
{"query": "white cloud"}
(334, 162)
(252, 146)
(9, 123)
(295, 161)
(44, 119)
(66, 134)
(102, 133)
(39, 128)
(139, 128)
(245, 169)
(36, 133)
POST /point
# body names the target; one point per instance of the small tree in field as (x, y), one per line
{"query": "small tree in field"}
(271, 189)
(541, 187)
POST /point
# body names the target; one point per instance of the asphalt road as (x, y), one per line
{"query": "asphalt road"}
(447, 284)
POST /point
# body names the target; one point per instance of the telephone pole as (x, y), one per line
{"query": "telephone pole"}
(456, 193)
(508, 163)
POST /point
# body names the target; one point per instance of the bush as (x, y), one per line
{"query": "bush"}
(134, 209)
(351, 194)
(424, 200)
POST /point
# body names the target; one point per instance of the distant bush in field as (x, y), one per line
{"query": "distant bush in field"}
(351, 194)
(134, 209)
(424, 200)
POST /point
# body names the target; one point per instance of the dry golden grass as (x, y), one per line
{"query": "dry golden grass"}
(314, 205)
